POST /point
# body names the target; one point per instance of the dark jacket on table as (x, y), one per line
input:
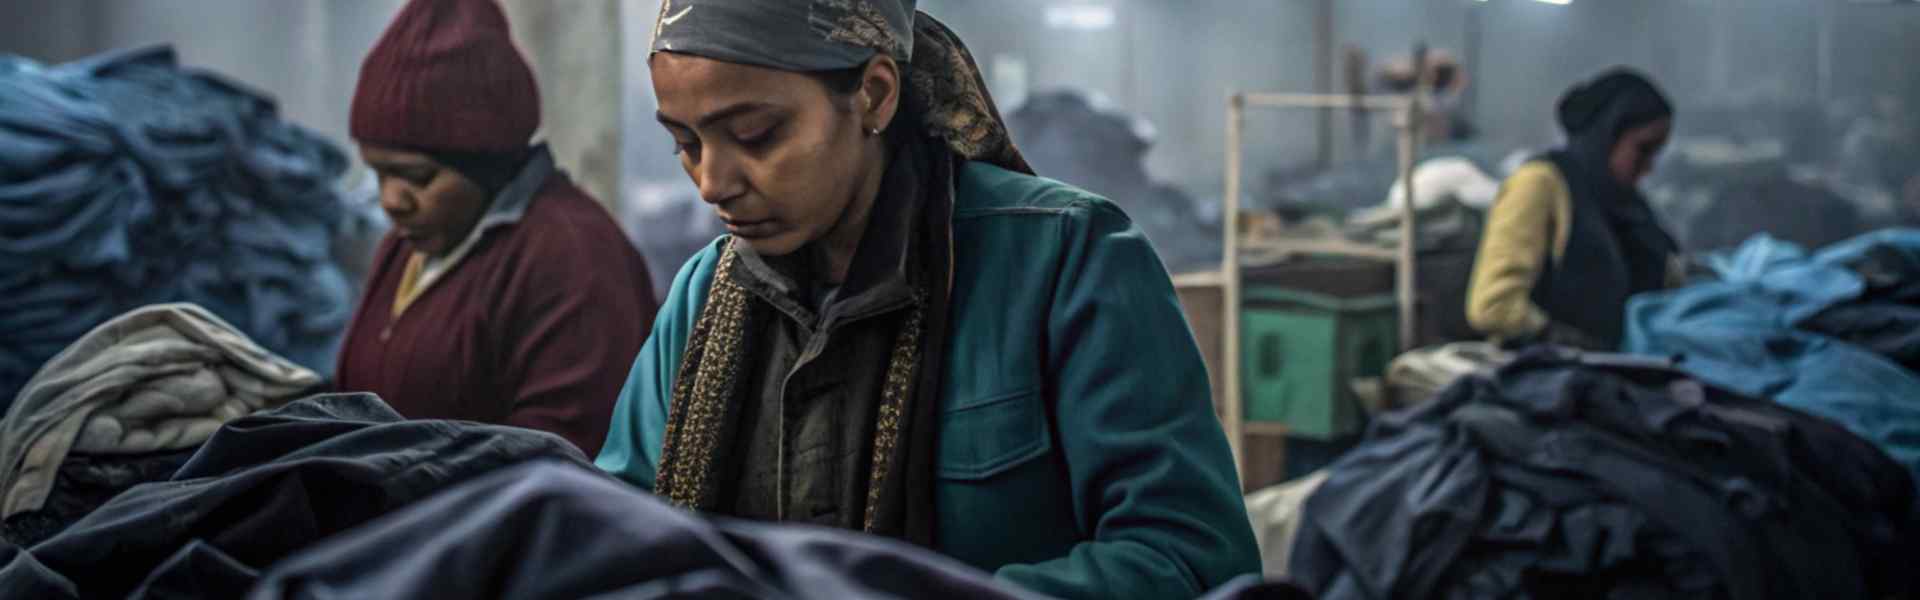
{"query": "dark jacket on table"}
(534, 327)
(262, 488)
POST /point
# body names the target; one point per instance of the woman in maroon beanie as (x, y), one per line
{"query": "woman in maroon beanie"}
(504, 294)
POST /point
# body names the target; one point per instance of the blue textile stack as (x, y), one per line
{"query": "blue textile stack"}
(1760, 330)
(128, 180)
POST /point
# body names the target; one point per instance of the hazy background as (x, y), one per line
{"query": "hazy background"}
(1168, 62)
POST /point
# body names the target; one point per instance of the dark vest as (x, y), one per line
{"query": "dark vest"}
(1602, 266)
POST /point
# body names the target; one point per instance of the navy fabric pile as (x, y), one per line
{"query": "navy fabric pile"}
(1885, 318)
(262, 488)
(562, 531)
(336, 496)
(1831, 332)
(1607, 476)
(83, 484)
(128, 180)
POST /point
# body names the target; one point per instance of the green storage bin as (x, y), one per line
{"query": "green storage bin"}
(1299, 350)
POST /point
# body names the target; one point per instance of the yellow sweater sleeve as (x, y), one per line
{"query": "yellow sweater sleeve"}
(1531, 216)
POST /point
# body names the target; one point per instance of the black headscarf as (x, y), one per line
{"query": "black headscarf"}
(1595, 114)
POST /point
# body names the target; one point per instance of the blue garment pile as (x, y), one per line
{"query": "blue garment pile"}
(127, 180)
(1774, 327)
(1567, 475)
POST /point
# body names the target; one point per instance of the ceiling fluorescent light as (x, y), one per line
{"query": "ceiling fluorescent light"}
(1086, 17)
(1559, 2)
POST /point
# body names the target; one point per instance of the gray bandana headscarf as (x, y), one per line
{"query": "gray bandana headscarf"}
(838, 34)
(828, 35)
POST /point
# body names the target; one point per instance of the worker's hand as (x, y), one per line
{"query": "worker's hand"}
(1562, 334)
(1555, 334)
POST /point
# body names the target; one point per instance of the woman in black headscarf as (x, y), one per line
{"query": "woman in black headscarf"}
(1570, 237)
(906, 332)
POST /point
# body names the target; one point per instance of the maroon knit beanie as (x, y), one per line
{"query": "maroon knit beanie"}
(446, 76)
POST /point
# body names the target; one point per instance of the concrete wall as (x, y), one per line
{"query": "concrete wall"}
(1185, 55)
(1171, 62)
(575, 47)
(647, 146)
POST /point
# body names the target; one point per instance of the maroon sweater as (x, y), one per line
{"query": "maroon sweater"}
(536, 327)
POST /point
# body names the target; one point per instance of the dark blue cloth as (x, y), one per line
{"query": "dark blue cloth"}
(1743, 332)
(336, 496)
(1254, 587)
(555, 530)
(127, 180)
(1607, 476)
(549, 529)
(84, 483)
(264, 487)
(1885, 319)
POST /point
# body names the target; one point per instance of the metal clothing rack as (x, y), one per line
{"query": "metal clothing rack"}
(1407, 113)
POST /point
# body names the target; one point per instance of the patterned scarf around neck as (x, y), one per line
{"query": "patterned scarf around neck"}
(707, 395)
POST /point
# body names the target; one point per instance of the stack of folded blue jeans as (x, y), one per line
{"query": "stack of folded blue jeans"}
(127, 180)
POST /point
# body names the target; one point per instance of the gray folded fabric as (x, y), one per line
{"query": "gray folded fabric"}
(162, 377)
(1276, 516)
(1418, 375)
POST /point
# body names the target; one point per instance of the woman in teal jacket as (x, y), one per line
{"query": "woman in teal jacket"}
(906, 332)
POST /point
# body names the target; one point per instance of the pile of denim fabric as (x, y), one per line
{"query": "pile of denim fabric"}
(1828, 331)
(127, 180)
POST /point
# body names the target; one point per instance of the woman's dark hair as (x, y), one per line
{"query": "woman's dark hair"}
(844, 82)
(840, 82)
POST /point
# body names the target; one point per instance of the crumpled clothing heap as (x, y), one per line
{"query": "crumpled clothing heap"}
(1435, 182)
(83, 484)
(1802, 329)
(1885, 318)
(576, 533)
(1359, 183)
(1079, 138)
(1419, 374)
(565, 531)
(1277, 514)
(160, 378)
(262, 488)
(1607, 476)
(127, 180)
